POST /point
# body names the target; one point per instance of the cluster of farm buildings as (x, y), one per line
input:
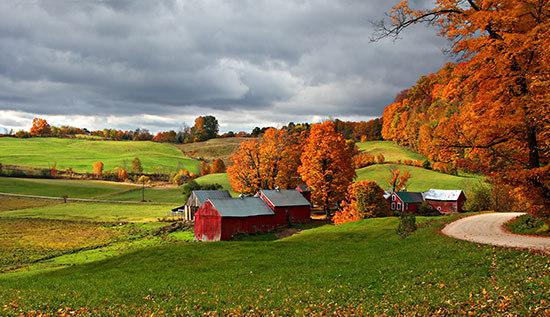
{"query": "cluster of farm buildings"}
(218, 216)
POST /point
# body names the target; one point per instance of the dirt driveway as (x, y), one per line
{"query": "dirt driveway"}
(488, 229)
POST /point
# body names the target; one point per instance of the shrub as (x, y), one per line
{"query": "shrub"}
(479, 197)
(218, 166)
(427, 165)
(426, 209)
(53, 170)
(364, 199)
(180, 177)
(407, 225)
(527, 224)
(380, 158)
(136, 166)
(189, 187)
(98, 168)
(122, 174)
(363, 160)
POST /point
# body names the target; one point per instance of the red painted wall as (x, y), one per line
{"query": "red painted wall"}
(232, 226)
(208, 223)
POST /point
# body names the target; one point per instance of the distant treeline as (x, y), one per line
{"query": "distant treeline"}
(205, 128)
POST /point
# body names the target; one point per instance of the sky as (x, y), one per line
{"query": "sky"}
(159, 64)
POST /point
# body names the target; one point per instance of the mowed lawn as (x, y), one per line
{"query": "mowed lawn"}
(97, 212)
(80, 154)
(61, 187)
(172, 195)
(391, 151)
(421, 179)
(361, 268)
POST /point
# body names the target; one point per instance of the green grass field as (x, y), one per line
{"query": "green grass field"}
(421, 179)
(212, 149)
(361, 268)
(219, 178)
(80, 154)
(391, 151)
(61, 187)
(99, 212)
(156, 194)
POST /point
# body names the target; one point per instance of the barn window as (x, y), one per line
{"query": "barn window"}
(393, 206)
(393, 197)
(398, 206)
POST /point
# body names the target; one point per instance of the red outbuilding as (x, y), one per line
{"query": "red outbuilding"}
(305, 191)
(405, 201)
(289, 205)
(445, 201)
(221, 219)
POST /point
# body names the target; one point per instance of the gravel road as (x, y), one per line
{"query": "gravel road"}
(488, 229)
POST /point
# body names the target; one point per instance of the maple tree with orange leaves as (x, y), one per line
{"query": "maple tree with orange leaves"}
(364, 199)
(40, 127)
(398, 179)
(490, 112)
(269, 162)
(327, 165)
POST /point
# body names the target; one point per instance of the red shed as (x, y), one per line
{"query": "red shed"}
(405, 201)
(305, 191)
(289, 205)
(221, 219)
(445, 201)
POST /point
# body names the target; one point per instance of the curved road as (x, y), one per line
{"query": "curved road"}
(488, 229)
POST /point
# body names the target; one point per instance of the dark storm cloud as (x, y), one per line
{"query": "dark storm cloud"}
(283, 59)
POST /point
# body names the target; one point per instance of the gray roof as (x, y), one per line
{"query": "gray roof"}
(241, 207)
(442, 194)
(410, 197)
(285, 197)
(203, 195)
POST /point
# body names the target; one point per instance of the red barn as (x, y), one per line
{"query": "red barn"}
(221, 219)
(405, 201)
(289, 205)
(305, 191)
(445, 201)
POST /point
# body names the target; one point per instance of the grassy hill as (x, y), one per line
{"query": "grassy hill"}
(60, 187)
(361, 268)
(212, 149)
(80, 154)
(421, 179)
(391, 151)
(97, 212)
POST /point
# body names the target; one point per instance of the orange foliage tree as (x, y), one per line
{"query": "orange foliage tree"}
(218, 166)
(398, 180)
(269, 162)
(364, 199)
(327, 165)
(40, 127)
(491, 110)
(97, 168)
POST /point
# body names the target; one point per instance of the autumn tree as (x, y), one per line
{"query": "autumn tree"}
(218, 166)
(501, 85)
(265, 163)
(205, 128)
(398, 179)
(327, 165)
(364, 199)
(204, 168)
(40, 127)
(136, 166)
(97, 168)
(166, 137)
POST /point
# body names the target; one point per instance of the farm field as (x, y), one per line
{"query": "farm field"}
(11, 203)
(97, 212)
(60, 187)
(212, 149)
(421, 179)
(152, 194)
(80, 154)
(219, 178)
(391, 151)
(362, 268)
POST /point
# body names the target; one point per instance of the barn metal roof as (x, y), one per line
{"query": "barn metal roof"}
(241, 207)
(442, 194)
(410, 197)
(285, 197)
(203, 195)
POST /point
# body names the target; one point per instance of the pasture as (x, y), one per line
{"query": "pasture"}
(96, 212)
(219, 178)
(391, 151)
(421, 179)
(212, 149)
(80, 154)
(359, 268)
(61, 187)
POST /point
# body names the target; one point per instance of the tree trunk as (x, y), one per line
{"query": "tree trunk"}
(532, 143)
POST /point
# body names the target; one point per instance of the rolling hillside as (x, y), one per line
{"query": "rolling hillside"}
(212, 149)
(421, 179)
(80, 154)
(391, 151)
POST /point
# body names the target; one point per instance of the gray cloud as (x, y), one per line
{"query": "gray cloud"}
(258, 60)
